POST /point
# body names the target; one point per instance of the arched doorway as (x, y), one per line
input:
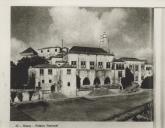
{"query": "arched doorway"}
(107, 80)
(97, 81)
(86, 81)
(78, 82)
(53, 88)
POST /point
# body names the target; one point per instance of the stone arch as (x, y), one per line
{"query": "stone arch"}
(97, 81)
(86, 81)
(107, 80)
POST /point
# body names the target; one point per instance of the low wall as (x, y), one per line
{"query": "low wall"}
(83, 93)
(25, 95)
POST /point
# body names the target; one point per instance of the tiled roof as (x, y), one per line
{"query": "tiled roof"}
(118, 60)
(87, 50)
(130, 59)
(49, 47)
(45, 66)
(61, 61)
(29, 50)
(65, 65)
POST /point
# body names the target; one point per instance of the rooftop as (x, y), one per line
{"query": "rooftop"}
(118, 60)
(49, 47)
(29, 50)
(65, 65)
(130, 59)
(88, 50)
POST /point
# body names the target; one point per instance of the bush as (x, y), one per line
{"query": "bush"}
(128, 79)
(147, 83)
(13, 95)
(20, 96)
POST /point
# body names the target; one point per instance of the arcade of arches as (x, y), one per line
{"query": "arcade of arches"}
(96, 81)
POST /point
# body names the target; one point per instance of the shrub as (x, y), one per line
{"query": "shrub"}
(20, 96)
(13, 95)
(147, 83)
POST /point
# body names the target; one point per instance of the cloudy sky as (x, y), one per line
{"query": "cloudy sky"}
(128, 29)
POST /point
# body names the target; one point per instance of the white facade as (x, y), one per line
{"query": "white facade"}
(148, 71)
(49, 51)
(135, 67)
(85, 66)
(95, 66)
(63, 77)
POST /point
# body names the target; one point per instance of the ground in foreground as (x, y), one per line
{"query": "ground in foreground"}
(80, 109)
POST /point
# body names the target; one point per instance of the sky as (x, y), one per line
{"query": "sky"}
(129, 30)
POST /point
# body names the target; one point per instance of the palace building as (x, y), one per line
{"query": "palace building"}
(80, 67)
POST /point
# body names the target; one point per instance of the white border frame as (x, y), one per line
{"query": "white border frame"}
(5, 58)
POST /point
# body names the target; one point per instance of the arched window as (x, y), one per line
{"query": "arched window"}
(86, 81)
(107, 80)
(96, 81)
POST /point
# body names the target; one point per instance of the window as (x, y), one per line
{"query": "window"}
(130, 67)
(43, 81)
(41, 51)
(50, 71)
(122, 66)
(100, 64)
(136, 78)
(73, 63)
(108, 65)
(41, 71)
(117, 66)
(148, 68)
(92, 65)
(120, 74)
(68, 83)
(48, 50)
(68, 71)
(113, 66)
(50, 81)
(136, 67)
(55, 50)
(83, 64)
(142, 67)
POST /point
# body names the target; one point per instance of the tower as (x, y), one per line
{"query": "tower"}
(104, 42)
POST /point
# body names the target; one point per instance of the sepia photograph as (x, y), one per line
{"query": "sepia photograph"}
(82, 64)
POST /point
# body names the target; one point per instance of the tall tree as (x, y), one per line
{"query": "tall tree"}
(128, 79)
(19, 72)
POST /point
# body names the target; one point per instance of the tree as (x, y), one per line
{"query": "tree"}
(147, 83)
(20, 96)
(128, 79)
(19, 72)
(13, 75)
(13, 95)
